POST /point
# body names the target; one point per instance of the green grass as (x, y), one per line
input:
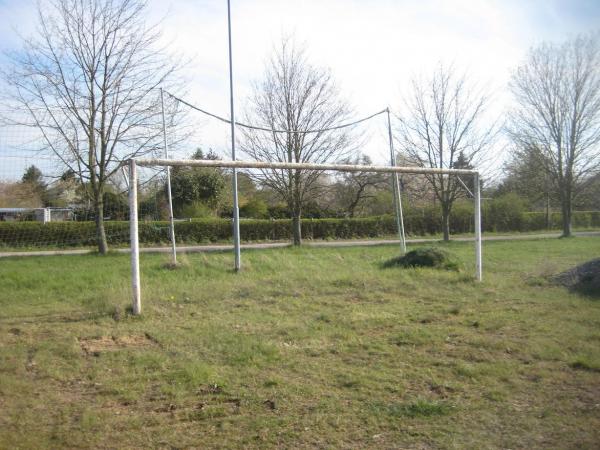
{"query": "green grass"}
(304, 348)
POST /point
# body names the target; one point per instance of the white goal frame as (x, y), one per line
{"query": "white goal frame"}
(158, 162)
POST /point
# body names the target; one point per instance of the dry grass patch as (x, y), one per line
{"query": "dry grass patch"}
(96, 345)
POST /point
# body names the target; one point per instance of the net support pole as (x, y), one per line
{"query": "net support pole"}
(169, 195)
(396, 188)
(133, 233)
(477, 199)
(236, 209)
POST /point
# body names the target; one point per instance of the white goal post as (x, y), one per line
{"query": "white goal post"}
(158, 162)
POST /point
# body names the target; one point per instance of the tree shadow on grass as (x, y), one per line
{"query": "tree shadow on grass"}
(116, 313)
(67, 317)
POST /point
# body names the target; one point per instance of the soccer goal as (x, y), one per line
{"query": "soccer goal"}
(134, 164)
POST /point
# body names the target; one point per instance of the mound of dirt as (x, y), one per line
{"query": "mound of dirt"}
(584, 278)
(425, 257)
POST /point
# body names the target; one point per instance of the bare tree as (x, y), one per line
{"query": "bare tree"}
(353, 189)
(295, 96)
(557, 91)
(441, 128)
(87, 80)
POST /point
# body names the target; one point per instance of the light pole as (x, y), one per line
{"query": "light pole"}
(236, 210)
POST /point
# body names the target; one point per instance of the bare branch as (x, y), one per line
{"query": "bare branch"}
(87, 80)
(557, 91)
(442, 128)
(295, 96)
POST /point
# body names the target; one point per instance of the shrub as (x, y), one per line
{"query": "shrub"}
(196, 209)
(255, 209)
(462, 217)
(505, 213)
(503, 217)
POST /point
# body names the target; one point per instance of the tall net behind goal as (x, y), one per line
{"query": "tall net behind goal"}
(200, 193)
(47, 205)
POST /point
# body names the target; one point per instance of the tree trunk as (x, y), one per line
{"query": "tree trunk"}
(547, 211)
(297, 210)
(446, 223)
(566, 218)
(297, 228)
(100, 232)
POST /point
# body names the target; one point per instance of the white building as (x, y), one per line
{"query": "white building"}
(43, 215)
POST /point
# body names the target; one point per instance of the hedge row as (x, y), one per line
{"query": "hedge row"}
(417, 222)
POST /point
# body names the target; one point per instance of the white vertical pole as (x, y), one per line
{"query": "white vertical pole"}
(236, 210)
(169, 196)
(396, 187)
(478, 260)
(133, 232)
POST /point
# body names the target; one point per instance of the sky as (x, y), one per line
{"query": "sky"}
(373, 48)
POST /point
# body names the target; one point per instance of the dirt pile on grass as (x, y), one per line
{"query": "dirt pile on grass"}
(425, 257)
(584, 278)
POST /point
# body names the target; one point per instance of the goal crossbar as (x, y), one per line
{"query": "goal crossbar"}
(159, 162)
(304, 166)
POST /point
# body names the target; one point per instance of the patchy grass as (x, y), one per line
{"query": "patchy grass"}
(304, 348)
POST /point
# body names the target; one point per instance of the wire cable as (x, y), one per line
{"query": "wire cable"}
(270, 130)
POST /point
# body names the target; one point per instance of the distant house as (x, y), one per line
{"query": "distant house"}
(43, 215)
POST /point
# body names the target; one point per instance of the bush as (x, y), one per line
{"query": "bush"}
(502, 217)
(533, 221)
(425, 257)
(116, 206)
(505, 213)
(462, 217)
(279, 211)
(196, 209)
(255, 209)
(423, 221)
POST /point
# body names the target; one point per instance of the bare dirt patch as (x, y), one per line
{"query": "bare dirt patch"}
(98, 345)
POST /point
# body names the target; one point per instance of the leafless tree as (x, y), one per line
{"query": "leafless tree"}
(295, 96)
(557, 91)
(441, 128)
(353, 189)
(88, 80)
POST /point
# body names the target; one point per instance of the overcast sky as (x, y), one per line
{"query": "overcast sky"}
(372, 47)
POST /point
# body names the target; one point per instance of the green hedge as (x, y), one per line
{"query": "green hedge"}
(417, 222)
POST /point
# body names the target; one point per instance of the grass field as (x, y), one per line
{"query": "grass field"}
(306, 348)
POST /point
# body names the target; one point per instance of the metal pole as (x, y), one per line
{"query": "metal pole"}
(478, 260)
(396, 187)
(169, 196)
(236, 210)
(133, 232)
